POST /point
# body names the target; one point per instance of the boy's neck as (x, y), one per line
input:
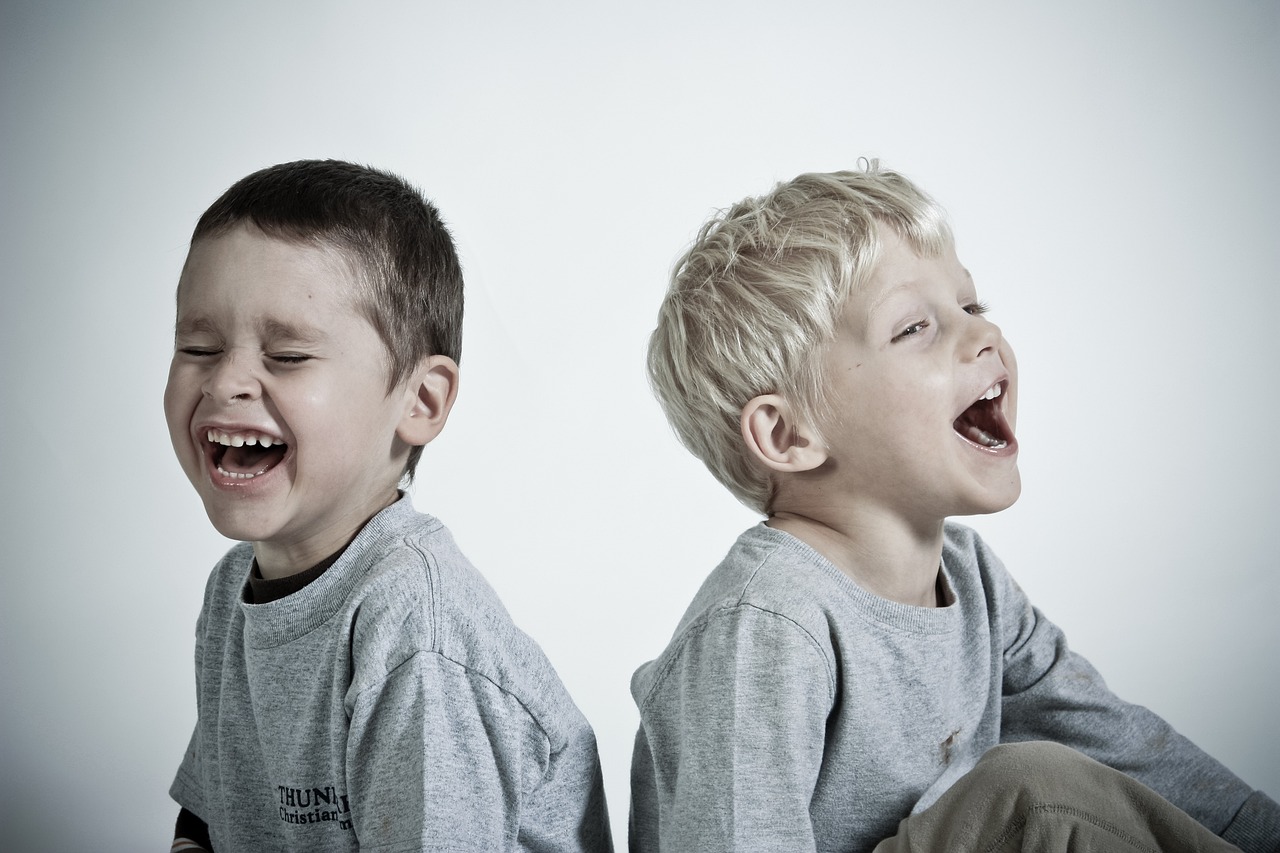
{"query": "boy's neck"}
(884, 555)
(277, 560)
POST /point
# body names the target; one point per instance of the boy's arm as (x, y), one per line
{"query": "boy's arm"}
(1052, 693)
(190, 834)
(731, 738)
(441, 758)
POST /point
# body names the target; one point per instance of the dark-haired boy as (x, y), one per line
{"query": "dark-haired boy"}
(359, 685)
(859, 671)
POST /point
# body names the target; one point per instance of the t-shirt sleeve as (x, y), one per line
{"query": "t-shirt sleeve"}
(731, 737)
(186, 789)
(440, 758)
(1052, 693)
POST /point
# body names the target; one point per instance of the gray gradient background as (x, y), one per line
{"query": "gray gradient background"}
(1111, 169)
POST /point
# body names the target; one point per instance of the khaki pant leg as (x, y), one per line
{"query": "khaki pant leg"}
(1049, 798)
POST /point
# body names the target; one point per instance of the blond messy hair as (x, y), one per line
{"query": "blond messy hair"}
(755, 300)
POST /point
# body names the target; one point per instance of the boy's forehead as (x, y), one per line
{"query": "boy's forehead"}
(901, 268)
(246, 258)
(911, 283)
(900, 277)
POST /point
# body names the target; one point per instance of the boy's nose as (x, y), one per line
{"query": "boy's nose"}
(232, 379)
(983, 335)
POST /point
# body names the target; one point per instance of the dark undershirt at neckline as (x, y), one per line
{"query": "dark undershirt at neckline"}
(263, 591)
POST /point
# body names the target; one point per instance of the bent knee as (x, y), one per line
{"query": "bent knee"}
(1037, 768)
(1032, 755)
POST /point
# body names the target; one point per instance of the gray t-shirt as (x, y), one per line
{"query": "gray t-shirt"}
(389, 705)
(794, 710)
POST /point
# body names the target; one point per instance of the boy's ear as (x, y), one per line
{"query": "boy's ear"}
(777, 438)
(429, 395)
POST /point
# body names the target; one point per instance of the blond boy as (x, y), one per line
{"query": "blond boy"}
(857, 658)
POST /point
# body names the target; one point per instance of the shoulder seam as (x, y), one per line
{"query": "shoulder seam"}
(705, 622)
(433, 579)
(470, 672)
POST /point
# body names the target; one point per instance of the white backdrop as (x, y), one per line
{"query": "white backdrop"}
(1112, 174)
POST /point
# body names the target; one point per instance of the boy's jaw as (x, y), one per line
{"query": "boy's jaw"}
(983, 425)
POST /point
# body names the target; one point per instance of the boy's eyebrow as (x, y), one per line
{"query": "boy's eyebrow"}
(196, 326)
(275, 330)
(270, 330)
(887, 295)
(884, 297)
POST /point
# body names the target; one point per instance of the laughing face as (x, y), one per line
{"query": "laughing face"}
(277, 403)
(923, 392)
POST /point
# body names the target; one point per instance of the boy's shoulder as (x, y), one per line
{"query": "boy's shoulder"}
(402, 588)
(772, 570)
(975, 571)
(961, 542)
(768, 581)
(770, 573)
(421, 594)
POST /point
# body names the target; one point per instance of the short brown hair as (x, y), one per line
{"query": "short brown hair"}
(400, 250)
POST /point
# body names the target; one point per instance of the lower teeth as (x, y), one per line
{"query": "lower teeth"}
(981, 436)
(246, 476)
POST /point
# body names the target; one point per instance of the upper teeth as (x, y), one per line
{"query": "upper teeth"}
(239, 439)
(992, 392)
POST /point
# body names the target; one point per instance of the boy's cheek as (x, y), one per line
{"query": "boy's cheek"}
(176, 415)
(170, 401)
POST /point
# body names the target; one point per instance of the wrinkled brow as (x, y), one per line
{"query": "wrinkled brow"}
(196, 326)
(269, 329)
(278, 330)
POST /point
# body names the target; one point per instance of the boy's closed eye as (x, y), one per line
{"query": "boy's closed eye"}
(282, 358)
(289, 357)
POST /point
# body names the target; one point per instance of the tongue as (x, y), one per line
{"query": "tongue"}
(250, 459)
(979, 436)
(981, 425)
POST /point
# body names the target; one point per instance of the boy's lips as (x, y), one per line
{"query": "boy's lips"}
(238, 455)
(983, 425)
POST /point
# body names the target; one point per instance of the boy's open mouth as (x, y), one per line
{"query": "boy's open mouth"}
(983, 423)
(244, 455)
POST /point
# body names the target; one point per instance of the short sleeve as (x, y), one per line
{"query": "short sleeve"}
(187, 790)
(731, 738)
(440, 758)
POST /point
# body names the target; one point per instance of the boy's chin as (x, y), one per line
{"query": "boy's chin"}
(1011, 495)
(1000, 500)
(239, 526)
(230, 529)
